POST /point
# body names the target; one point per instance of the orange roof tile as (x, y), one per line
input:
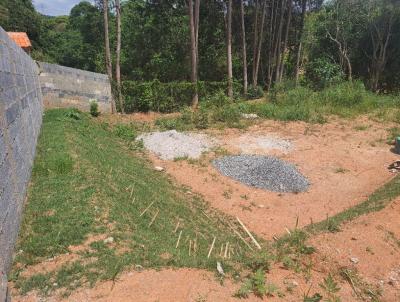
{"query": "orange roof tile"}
(20, 38)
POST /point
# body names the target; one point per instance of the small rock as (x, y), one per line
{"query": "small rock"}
(55, 284)
(249, 115)
(109, 240)
(158, 168)
(291, 283)
(354, 260)
(261, 206)
(138, 267)
(220, 269)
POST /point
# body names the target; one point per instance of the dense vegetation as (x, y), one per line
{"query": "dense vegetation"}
(312, 43)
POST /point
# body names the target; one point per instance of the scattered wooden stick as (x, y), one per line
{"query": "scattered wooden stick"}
(145, 210)
(221, 250)
(177, 226)
(226, 250)
(154, 217)
(287, 231)
(240, 236)
(133, 200)
(131, 192)
(190, 246)
(248, 232)
(211, 248)
(179, 239)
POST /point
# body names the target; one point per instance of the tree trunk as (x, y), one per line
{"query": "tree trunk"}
(259, 46)
(108, 52)
(229, 48)
(244, 52)
(380, 43)
(279, 41)
(289, 17)
(118, 56)
(255, 42)
(300, 44)
(271, 44)
(193, 50)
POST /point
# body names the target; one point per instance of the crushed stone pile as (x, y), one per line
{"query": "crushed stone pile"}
(263, 172)
(172, 144)
(250, 143)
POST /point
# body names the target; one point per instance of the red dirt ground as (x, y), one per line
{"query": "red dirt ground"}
(344, 166)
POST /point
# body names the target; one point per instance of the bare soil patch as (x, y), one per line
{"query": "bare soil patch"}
(343, 165)
(374, 240)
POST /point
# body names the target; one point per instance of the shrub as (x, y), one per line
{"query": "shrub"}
(201, 118)
(255, 92)
(169, 97)
(124, 131)
(94, 108)
(229, 114)
(322, 73)
(219, 99)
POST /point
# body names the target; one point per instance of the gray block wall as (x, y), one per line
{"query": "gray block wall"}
(69, 87)
(21, 110)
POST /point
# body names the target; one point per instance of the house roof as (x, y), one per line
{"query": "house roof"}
(20, 38)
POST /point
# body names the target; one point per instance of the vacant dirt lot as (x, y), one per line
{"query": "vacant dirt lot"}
(343, 164)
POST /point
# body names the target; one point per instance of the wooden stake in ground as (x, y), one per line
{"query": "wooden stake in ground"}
(177, 226)
(145, 210)
(179, 239)
(154, 217)
(226, 250)
(211, 248)
(248, 233)
(240, 236)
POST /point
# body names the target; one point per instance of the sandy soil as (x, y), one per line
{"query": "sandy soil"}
(343, 165)
(373, 239)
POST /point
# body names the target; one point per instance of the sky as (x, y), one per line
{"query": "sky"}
(55, 7)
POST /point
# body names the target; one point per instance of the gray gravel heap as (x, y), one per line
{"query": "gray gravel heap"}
(169, 145)
(264, 172)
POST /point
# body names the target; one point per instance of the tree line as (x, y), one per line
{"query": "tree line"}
(256, 42)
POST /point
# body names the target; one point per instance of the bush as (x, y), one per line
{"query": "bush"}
(229, 114)
(169, 97)
(322, 73)
(218, 99)
(201, 118)
(124, 131)
(94, 108)
(255, 92)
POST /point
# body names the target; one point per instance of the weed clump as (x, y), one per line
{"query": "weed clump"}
(94, 108)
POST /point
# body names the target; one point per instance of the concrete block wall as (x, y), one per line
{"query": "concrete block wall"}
(21, 110)
(69, 87)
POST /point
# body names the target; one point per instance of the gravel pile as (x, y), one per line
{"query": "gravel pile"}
(250, 144)
(264, 172)
(169, 145)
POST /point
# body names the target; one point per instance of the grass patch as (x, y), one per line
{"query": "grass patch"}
(86, 181)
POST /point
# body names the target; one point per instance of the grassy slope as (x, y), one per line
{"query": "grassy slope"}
(82, 183)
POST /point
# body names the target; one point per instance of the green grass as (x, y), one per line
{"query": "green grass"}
(346, 100)
(291, 103)
(87, 181)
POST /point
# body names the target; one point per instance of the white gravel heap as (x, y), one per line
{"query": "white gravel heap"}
(169, 145)
(252, 143)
